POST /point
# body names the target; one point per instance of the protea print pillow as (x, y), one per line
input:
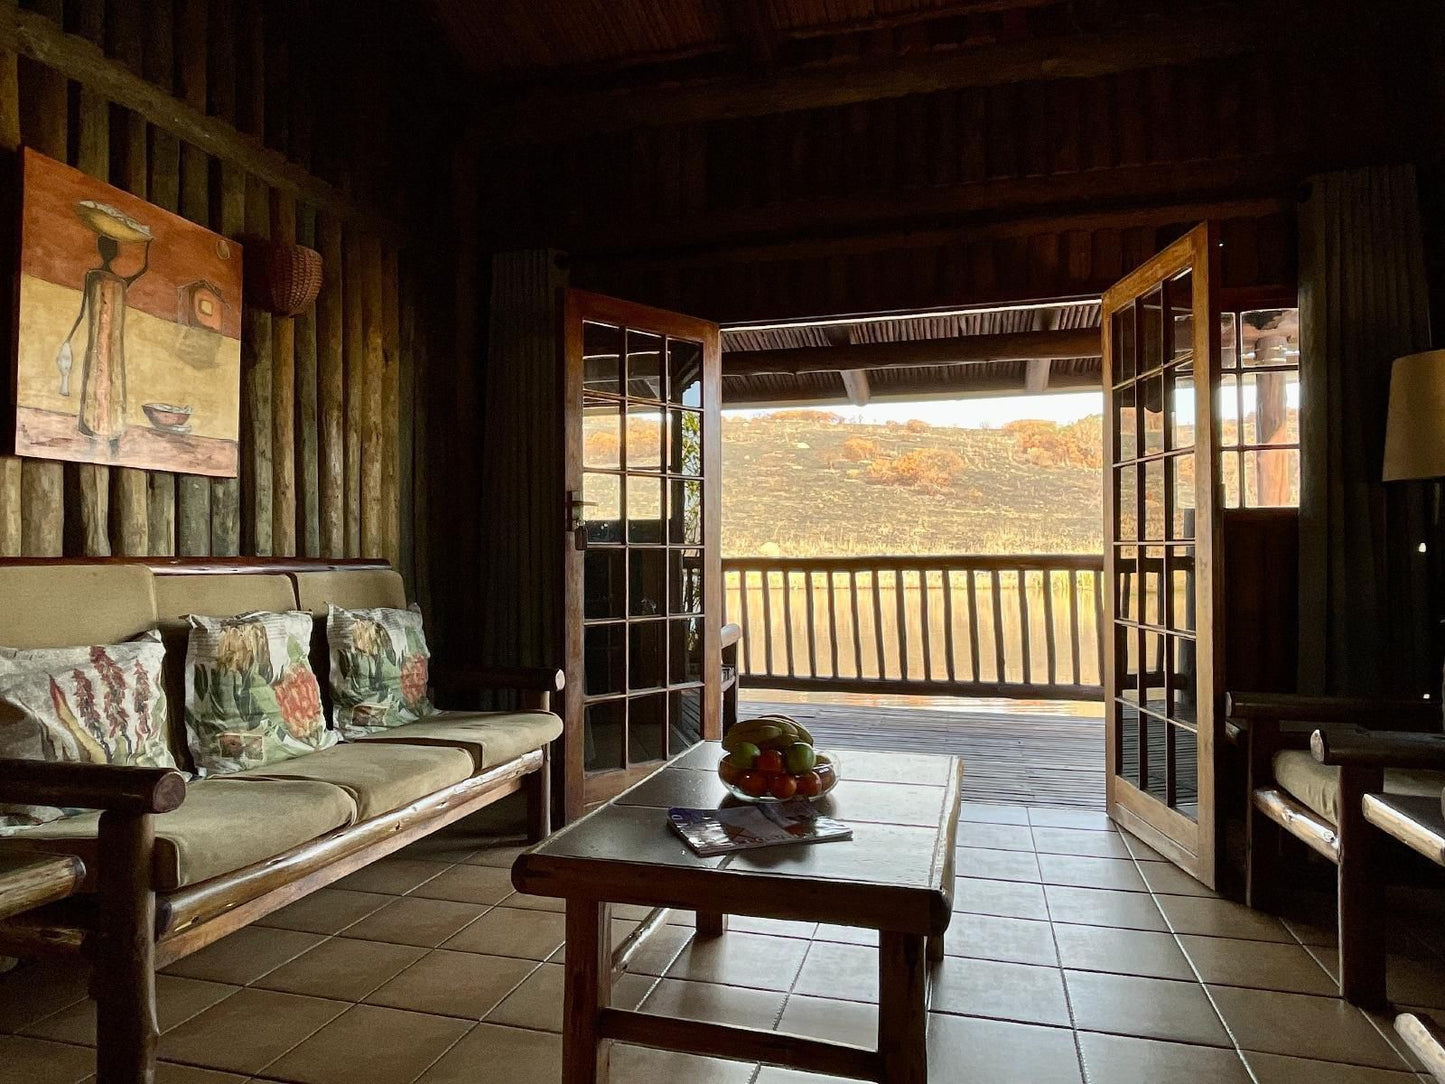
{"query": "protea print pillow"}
(379, 668)
(251, 696)
(93, 705)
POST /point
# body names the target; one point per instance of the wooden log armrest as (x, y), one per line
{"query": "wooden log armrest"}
(1398, 714)
(109, 787)
(1355, 746)
(539, 679)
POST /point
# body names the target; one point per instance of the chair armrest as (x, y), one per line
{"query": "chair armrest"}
(731, 633)
(1355, 746)
(109, 787)
(540, 679)
(1289, 707)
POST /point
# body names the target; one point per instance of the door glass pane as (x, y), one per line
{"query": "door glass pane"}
(605, 725)
(646, 728)
(605, 648)
(644, 364)
(1179, 420)
(1155, 757)
(685, 651)
(1123, 339)
(686, 597)
(1181, 494)
(1270, 337)
(648, 658)
(685, 442)
(601, 433)
(1126, 662)
(1126, 419)
(602, 583)
(1185, 763)
(1126, 719)
(602, 358)
(1151, 342)
(1272, 478)
(1179, 298)
(684, 372)
(1181, 588)
(648, 582)
(1130, 585)
(1228, 346)
(644, 437)
(1126, 482)
(1153, 499)
(602, 507)
(1153, 578)
(1153, 662)
(1183, 678)
(685, 716)
(1267, 418)
(1151, 391)
(686, 517)
(644, 509)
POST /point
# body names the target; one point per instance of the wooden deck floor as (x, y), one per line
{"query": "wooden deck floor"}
(1032, 753)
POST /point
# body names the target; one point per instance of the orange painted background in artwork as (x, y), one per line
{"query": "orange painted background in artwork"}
(58, 247)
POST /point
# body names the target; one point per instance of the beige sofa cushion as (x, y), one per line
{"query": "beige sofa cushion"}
(224, 825)
(354, 589)
(1317, 785)
(223, 594)
(378, 778)
(491, 737)
(66, 605)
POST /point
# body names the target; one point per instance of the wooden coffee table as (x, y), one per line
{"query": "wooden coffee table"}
(895, 876)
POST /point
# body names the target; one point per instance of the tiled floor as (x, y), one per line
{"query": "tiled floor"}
(1074, 955)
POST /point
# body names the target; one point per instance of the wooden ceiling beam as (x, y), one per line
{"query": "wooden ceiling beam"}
(916, 353)
(554, 116)
(753, 30)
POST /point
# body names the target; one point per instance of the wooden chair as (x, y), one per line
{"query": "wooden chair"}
(730, 635)
(1316, 794)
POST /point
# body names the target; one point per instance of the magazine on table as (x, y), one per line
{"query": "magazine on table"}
(743, 827)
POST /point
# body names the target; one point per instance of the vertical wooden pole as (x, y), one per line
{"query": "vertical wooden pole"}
(124, 982)
(230, 218)
(11, 519)
(331, 444)
(354, 364)
(373, 451)
(308, 504)
(390, 406)
(44, 112)
(585, 1055)
(256, 376)
(165, 192)
(283, 399)
(410, 411)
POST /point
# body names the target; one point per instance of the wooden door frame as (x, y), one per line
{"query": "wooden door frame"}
(579, 788)
(1167, 830)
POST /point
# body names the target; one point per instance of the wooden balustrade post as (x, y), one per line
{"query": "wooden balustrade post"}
(123, 951)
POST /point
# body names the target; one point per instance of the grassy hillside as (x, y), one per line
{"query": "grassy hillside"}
(801, 483)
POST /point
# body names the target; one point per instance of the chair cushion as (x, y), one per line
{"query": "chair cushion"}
(378, 664)
(378, 778)
(64, 605)
(491, 737)
(354, 588)
(225, 824)
(1317, 785)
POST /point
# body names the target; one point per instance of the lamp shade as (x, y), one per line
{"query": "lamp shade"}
(1415, 431)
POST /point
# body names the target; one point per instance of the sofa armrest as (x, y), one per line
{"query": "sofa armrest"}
(1355, 746)
(536, 684)
(1400, 714)
(108, 787)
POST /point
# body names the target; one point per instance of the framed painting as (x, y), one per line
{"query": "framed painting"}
(128, 330)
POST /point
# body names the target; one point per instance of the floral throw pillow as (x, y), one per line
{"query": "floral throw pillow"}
(251, 696)
(379, 668)
(92, 705)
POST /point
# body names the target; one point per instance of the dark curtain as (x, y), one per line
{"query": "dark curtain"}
(1366, 611)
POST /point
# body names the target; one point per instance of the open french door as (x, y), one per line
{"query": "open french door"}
(1161, 340)
(644, 574)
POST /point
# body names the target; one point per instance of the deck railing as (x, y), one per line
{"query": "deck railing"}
(1014, 626)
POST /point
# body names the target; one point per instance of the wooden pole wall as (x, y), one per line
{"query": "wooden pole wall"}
(328, 466)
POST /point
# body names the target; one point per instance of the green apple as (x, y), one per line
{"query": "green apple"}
(745, 755)
(799, 757)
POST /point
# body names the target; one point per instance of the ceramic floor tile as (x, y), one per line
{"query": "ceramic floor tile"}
(328, 911)
(1091, 819)
(742, 959)
(536, 1003)
(1220, 918)
(1303, 1026)
(243, 957)
(453, 984)
(1278, 1069)
(379, 1046)
(621, 930)
(492, 1052)
(170, 1073)
(1014, 940)
(985, 813)
(512, 931)
(1143, 1007)
(1003, 837)
(342, 969)
(1263, 965)
(656, 953)
(640, 1065)
(965, 1048)
(854, 1022)
(501, 856)
(997, 865)
(414, 921)
(1081, 871)
(1102, 907)
(852, 935)
(468, 884)
(717, 1004)
(36, 988)
(248, 1030)
(772, 1074)
(1019, 992)
(1168, 878)
(1141, 851)
(536, 903)
(1413, 980)
(849, 972)
(177, 1000)
(776, 926)
(395, 875)
(1124, 952)
(1080, 841)
(1007, 899)
(37, 1061)
(1109, 1058)
(437, 847)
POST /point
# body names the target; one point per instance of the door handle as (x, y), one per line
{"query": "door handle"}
(577, 519)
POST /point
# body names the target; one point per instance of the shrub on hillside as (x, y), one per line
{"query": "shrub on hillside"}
(858, 449)
(929, 469)
(825, 417)
(1048, 444)
(917, 425)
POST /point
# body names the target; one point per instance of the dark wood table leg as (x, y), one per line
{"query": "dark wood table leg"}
(710, 924)
(585, 1056)
(936, 949)
(902, 1007)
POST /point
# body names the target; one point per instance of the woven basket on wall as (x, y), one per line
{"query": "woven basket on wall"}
(292, 278)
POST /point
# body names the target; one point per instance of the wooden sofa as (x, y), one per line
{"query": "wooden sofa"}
(172, 865)
(1311, 763)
